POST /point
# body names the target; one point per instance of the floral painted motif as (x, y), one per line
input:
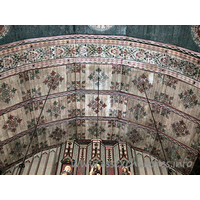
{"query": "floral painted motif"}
(76, 85)
(33, 55)
(24, 76)
(39, 131)
(112, 124)
(81, 136)
(96, 130)
(159, 125)
(58, 52)
(190, 69)
(134, 136)
(40, 54)
(80, 97)
(96, 105)
(121, 114)
(38, 146)
(116, 69)
(113, 112)
(83, 50)
(18, 150)
(71, 98)
(57, 134)
(6, 93)
(113, 136)
(72, 124)
(34, 74)
(12, 123)
(124, 86)
(75, 68)
(163, 60)
(55, 109)
(53, 79)
(126, 71)
(33, 106)
(164, 98)
(115, 85)
(33, 122)
(80, 122)
(168, 81)
(160, 110)
(119, 99)
(114, 99)
(140, 81)
(72, 113)
(80, 112)
(26, 95)
(98, 77)
(36, 92)
(189, 99)
(76, 112)
(138, 111)
(31, 94)
(180, 129)
(172, 153)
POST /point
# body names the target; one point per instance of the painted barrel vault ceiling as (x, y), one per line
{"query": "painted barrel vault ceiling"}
(75, 62)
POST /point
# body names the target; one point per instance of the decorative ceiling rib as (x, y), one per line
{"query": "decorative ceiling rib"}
(118, 66)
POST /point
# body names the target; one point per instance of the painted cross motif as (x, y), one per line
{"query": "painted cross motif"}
(160, 110)
(113, 136)
(189, 99)
(115, 85)
(57, 134)
(96, 105)
(81, 136)
(33, 106)
(24, 76)
(98, 77)
(161, 127)
(138, 111)
(12, 123)
(168, 81)
(96, 130)
(180, 129)
(118, 99)
(54, 78)
(6, 92)
(126, 71)
(33, 122)
(140, 81)
(55, 109)
(162, 97)
(116, 69)
(134, 136)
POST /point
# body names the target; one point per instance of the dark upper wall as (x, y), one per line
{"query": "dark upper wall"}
(179, 35)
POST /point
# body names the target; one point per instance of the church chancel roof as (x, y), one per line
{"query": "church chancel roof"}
(98, 92)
